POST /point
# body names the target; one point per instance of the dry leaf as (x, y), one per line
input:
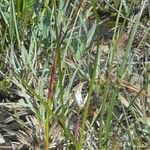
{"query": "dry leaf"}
(78, 95)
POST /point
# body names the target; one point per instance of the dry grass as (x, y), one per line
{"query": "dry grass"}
(74, 75)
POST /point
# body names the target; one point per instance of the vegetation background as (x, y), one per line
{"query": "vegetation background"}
(75, 74)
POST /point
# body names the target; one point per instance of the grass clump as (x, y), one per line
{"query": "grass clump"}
(77, 76)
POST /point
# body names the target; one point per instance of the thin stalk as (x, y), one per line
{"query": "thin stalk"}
(49, 100)
(114, 45)
(85, 112)
(51, 89)
(109, 117)
(59, 62)
(106, 91)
